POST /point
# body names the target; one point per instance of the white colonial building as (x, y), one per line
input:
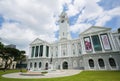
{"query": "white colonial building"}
(97, 48)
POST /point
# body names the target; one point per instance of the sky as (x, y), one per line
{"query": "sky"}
(22, 21)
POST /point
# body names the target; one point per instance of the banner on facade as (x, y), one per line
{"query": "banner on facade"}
(96, 43)
(105, 42)
(87, 42)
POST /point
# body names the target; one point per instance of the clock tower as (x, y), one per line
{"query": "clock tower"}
(64, 32)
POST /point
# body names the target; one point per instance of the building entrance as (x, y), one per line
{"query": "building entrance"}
(65, 65)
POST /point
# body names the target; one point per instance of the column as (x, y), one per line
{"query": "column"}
(49, 55)
(67, 49)
(96, 65)
(76, 49)
(111, 41)
(38, 51)
(118, 42)
(103, 50)
(107, 65)
(92, 44)
(117, 38)
(30, 52)
(37, 47)
(34, 51)
(44, 50)
(59, 50)
(61, 65)
(83, 46)
(33, 65)
(37, 65)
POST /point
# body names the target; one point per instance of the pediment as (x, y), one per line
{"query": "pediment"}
(37, 41)
(95, 29)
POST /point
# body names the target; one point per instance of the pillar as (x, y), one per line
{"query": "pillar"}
(30, 52)
(59, 51)
(92, 44)
(118, 42)
(34, 51)
(103, 50)
(44, 50)
(38, 51)
(83, 46)
(111, 42)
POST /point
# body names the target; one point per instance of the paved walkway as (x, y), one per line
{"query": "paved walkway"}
(52, 74)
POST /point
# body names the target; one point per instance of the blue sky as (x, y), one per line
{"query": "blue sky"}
(1, 20)
(23, 21)
(106, 5)
(109, 4)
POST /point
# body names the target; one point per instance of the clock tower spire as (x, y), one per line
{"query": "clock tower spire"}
(64, 32)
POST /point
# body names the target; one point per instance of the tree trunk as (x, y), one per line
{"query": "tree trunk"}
(7, 64)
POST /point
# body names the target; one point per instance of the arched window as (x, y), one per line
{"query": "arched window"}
(62, 21)
(40, 64)
(35, 64)
(91, 63)
(112, 62)
(65, 65)
(101, 63)
(46, 66)
(30, 65)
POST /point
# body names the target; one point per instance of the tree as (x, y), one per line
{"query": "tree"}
(1, 53)
(21, 57)
(7, 59)
(10, 54)
(1, 46)
(5, 56)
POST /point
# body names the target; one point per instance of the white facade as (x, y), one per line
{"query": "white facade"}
(97, 48)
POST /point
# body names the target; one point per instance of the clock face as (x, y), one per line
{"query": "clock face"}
(62, 21)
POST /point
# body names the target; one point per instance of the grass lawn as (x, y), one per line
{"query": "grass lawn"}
(83, 76)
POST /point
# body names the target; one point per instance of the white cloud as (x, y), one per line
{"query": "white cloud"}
(92, 12)
(35, 18)
(79, 28)
(11, 33)
(114, 12)
(107, 15)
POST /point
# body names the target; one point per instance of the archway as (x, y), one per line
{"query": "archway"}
(101, 63)
(40, 64)
(30, 64)
(65, 65)
(35, 65)
(112, 63)
(46, 66)
(91, 63)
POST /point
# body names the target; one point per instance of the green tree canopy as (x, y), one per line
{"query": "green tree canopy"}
(11, 54)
